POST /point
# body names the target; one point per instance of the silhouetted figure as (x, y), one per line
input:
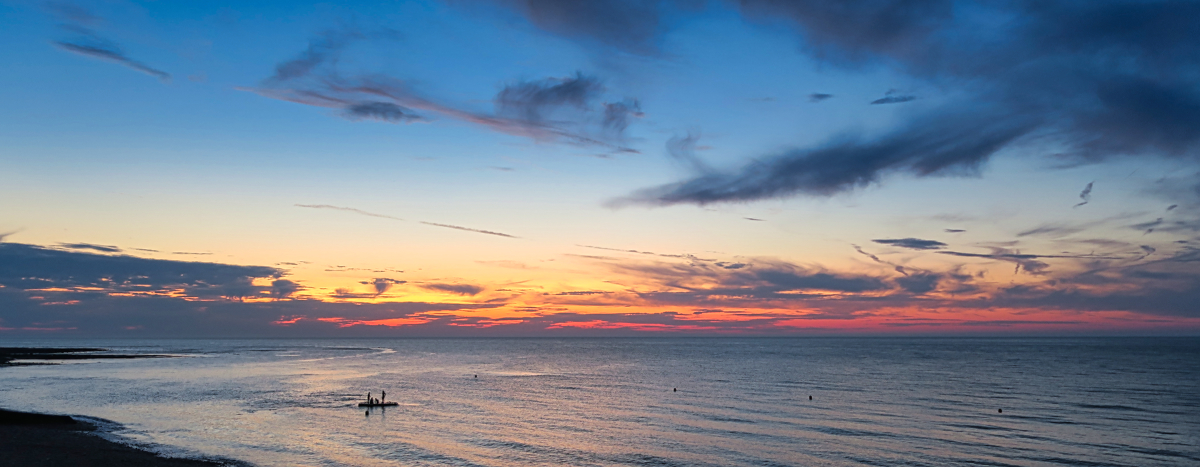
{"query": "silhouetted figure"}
(810, 398)
(674, 389)
(368, 398)
(383, 397)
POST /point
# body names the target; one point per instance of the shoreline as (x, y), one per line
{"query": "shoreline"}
(36, 439)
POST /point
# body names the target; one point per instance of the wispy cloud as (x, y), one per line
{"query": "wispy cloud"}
(384, 216)
(353, 210)
(468, 229)
(523, 108)
(103, 50)
(89, 44)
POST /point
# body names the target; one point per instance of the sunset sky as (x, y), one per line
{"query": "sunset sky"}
(532, 167)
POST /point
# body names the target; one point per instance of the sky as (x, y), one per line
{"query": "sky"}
(612, 167)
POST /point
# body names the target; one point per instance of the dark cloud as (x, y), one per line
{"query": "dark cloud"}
(33, 267)
(913, 243)
(89, 246)
(102, 315)
(1147, 250)
(919, 283)
(797, 280)
(759, 283)
(95, 47)
(1085, 195)
(630, 26)
(460, 289)
(618, 115)
(754, 219)
(818, 97)
(467, 229)
(323, 49)
(382, 284)
(893, 100)
(532, 100)
(1093, 80)
(861, 30)
(930, 145)
(77, 21)
(283, 288)
(953, 230)
(382, 111)
(522, 108)
(353, 210)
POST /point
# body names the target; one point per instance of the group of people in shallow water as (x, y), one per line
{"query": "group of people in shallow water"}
(379, 400)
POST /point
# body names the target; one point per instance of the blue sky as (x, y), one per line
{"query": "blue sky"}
(781, 136)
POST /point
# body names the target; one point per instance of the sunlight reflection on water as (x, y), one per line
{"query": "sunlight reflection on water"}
(509, 402)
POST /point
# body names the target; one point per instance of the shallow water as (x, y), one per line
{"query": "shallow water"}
(875, 401)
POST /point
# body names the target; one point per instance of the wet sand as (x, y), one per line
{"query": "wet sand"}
(33, 440)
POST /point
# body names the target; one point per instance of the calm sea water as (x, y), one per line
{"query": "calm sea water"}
(602, 402)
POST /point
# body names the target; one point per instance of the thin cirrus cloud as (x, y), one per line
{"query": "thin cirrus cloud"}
(90, 44)
(384, 216)
(1047, 73)
(523, 108)
(107, 51)
(346, 209)
(468, 229)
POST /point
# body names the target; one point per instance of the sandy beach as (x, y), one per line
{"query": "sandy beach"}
(31, 439)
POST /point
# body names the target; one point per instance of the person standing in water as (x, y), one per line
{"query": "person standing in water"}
(383, 398)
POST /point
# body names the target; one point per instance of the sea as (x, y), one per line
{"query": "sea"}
(677, 401)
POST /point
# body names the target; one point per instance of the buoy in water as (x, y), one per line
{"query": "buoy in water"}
(810, 398)
(674, 389)
(999, 410)
(367, 413)
(476, 376)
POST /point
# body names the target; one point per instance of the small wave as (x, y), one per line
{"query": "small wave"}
(120, 434)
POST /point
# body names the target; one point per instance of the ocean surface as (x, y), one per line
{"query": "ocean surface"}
(612, 402)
